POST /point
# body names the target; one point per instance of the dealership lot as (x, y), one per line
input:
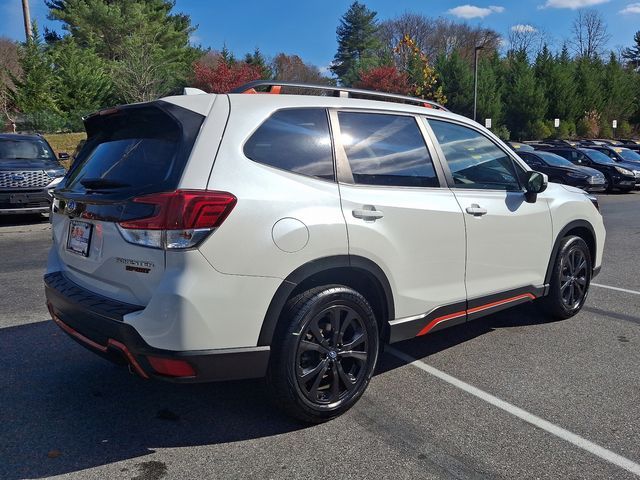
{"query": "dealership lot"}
(64, 411)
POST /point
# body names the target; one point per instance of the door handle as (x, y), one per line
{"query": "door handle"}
(368, 213)
(476, 210)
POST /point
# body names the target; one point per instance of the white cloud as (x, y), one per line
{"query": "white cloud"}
(572, 4)
(631, 8)
(524, 28)
(471, 11)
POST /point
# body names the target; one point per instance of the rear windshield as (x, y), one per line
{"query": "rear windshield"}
(135, 150)
(555, 160)
(597, 157)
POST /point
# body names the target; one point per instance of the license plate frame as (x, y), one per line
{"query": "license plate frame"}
(79, 237)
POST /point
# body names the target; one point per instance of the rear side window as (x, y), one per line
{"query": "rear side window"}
(296, 140)
(530, 160)
(135, 150)
(386, 150)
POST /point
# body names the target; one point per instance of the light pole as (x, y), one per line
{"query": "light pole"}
(475, 79)
(27, 19)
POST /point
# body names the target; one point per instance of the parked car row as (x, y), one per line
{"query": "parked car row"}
(592, 165)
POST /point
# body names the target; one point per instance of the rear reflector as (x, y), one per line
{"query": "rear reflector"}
(171, 367)
(181, 219)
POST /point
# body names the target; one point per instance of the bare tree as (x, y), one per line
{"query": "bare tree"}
(589, 34)
(526, 38)
(437, 36)
(9, 67)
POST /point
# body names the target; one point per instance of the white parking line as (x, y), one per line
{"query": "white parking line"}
(559, 432)
(617, 289)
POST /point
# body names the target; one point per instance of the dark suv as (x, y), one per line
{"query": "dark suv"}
(620, 176)
(28, 171)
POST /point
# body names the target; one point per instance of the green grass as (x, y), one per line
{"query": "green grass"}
(65, 142)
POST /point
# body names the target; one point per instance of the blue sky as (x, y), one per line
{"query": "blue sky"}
(307, 28)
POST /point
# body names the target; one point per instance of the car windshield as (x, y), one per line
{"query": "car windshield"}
(628, 154)
(597, 157)
(24, 149)
(554, 160)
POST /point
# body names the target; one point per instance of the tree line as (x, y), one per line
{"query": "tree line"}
(123, 51)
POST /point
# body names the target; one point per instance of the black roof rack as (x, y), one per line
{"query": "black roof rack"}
(275, 86)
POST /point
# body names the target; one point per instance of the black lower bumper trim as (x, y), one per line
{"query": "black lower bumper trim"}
(97, 323)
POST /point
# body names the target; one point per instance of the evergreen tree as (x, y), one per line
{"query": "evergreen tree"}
(457, 83)
(358, 44)
(33, 91)
(489, 103)
(524, 102)
(617, 85)
(256, 59)
(632, 54)
(82, 82)
(147, 46)
(588, 81)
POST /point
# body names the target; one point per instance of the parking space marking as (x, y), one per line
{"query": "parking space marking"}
(534, 420)
(618, 289)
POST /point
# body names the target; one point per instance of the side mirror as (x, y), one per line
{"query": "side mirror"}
(535, 183)
(63, 156)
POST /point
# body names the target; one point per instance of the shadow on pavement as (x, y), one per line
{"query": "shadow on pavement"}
(64, 409)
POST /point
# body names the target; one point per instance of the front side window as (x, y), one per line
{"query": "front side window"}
(386, 150)
(474, 160)
(296, 140)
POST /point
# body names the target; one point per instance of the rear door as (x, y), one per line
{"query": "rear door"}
(130, 152)
(399, 215)
(508, 239)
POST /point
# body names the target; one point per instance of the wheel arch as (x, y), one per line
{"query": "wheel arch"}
(353, 271)
(580, 228)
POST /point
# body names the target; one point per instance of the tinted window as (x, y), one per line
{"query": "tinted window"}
(530, 160)
(474, 160)
(297, 140)
(386, 150)
(598, 157)
(555, 160)
(135, 150)
(629, 155)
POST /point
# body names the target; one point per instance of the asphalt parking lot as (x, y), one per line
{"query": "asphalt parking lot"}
(66, 412)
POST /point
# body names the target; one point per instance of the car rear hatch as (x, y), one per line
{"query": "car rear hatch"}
(110, 212)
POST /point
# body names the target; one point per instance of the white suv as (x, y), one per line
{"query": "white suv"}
(212, 237)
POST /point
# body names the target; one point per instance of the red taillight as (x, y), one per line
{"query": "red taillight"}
(171, 367)
(180, 219)
(184, 209)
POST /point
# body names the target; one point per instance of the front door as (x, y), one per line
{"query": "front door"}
(509, 240)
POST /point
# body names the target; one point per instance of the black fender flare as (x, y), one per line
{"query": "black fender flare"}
(556, 246)
(311, 268)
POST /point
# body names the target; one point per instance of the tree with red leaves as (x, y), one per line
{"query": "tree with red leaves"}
(224, 77)
(385, 79)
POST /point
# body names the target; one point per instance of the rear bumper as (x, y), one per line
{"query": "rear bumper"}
(97, 323)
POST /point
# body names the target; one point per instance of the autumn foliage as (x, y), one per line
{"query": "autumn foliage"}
(224, 77)
(385, 79)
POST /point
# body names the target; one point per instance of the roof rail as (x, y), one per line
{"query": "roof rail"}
(275, 86)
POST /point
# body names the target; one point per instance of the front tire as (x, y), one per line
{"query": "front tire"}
(324, 354)
(570, 279)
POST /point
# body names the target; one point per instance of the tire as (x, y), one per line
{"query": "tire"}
(324, 353)
(570, 279)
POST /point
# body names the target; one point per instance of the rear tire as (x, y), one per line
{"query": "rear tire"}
(570, 279)
(324, 353)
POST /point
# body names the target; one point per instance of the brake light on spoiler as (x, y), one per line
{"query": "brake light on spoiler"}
(181, 219)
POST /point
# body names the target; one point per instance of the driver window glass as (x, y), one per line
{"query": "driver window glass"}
(475, 162)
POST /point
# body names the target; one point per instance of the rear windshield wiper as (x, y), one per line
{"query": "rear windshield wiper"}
(102, 184)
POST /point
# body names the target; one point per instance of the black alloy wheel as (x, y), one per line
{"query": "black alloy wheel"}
(324, 353)
(332, 355)
(570, 279)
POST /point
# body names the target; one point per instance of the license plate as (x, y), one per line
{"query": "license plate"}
(79, 238)
(18, 198)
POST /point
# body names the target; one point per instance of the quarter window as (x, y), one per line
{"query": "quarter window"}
(296, 140)
(474, 160)
(386, 150)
